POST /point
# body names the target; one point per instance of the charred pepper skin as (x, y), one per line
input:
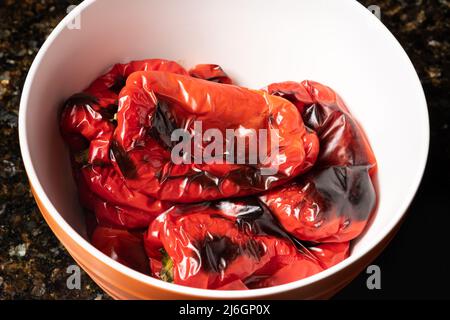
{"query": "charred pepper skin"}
(84, 126)
(87, 117)
(333, 202)
(230, 245)
(147, 168)
(87, 124)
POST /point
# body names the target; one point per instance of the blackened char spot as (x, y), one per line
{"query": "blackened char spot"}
(214, 79)
(82, 98)
(250, 177)
(331, 124)
(254, 249)
(109, 111)
(256, 218)
(217, 252)
(163, 124)
(204, 178)
(118, 84)
(289, 95)
(219, 79)
(347, 191)
(124, 162)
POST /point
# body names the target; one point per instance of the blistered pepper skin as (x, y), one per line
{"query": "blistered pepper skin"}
(217, 106)
(232, 244)
(333, 202)
(87, 117)
(211, 247)
(87, 124)
(82, 124)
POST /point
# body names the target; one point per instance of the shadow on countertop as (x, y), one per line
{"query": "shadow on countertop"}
(33, 263)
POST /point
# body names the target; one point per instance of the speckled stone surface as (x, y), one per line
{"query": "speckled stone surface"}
(32, 261)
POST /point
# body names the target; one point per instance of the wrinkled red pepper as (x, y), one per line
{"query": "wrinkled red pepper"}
(180, 100)
(231, 244)
(334, 202)
(84, 125)
(87, 117)
(87, 125)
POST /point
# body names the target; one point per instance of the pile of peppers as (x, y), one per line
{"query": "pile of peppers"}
(219, 226)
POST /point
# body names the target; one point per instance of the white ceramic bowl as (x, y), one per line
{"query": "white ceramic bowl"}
(338, 43)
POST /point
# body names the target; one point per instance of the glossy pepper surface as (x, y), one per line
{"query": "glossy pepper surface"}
(333, 202)
(153, 104)
(212, 245)
(87, 125)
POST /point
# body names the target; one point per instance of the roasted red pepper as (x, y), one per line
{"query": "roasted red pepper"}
(87, 117)
(333, 203)
(84, 126)
(231, 244)
(153, 104)
(87, 125)
(110, 84)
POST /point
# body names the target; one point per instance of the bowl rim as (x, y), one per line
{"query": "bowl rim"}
(209, 293)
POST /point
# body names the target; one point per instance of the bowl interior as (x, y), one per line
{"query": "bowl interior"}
(338, 43)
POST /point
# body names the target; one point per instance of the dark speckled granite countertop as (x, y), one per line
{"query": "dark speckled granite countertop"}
(32, 261)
